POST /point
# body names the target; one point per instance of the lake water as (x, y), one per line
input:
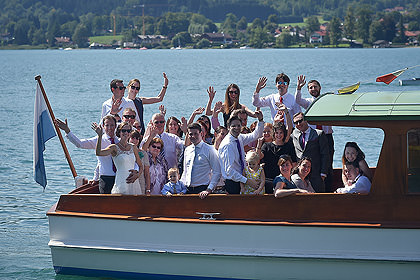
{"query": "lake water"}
(77, 83)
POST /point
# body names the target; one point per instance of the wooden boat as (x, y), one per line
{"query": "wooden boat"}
(304, 236)
(410, 82)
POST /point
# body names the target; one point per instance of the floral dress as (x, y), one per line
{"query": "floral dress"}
(158, 173)
(255, 176)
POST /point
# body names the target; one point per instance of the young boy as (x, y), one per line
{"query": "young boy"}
(174, 186)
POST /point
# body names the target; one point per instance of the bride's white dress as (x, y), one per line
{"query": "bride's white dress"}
(125, 161)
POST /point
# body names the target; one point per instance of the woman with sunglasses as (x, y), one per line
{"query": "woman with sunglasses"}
(231, 102)
(134, 89)
(124, 156)
(158, 165)
(273, 100)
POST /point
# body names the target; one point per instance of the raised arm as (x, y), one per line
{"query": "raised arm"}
(196, 112)
(218, 107)
(256, 100)
(161, 95)
(298, 95)
(110, 150)
(211, 92)
(62, 125)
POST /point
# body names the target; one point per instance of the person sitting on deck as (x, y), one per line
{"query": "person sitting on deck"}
(352, 152)
(174, 186)
(283, 185)
(355, 182)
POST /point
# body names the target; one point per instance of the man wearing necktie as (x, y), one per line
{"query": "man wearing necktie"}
(201, 164)
(312, 143)
(275, 99)
(314, 89)
(232, 154)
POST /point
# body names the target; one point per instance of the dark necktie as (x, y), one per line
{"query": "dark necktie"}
(114, 168)
(241, 161)
(302, 140)
(173, 186)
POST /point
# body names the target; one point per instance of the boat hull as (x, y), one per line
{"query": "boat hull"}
(210, 249)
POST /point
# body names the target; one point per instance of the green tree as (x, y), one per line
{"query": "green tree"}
(284, 40)
(389, 25)
(312, 24)
(38, 37)
(376, 31)
(258, 37)
(229, 24)
(203, 43)
(81, 36)
(401, 38)
(273, 19)
(181, 39)
(334, 31)
(53, 29)
(242, 24)
(413, 25)
(21, 32)
(349, 23)
(67, 29)
(364, 20)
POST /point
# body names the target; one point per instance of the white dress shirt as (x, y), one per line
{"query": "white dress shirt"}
(360, 185)
(125, 103)
(229, 155)
(171, 143)
(201, 166)
(305, 103)
(270, 101)
(104, 162)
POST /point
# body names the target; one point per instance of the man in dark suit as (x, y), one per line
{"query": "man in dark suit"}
(312, 143)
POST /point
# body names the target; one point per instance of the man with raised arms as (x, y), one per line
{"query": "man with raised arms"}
(275, 99)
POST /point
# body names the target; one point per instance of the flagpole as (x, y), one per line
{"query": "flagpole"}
(57, 129)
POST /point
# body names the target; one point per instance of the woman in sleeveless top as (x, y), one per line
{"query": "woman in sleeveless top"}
(134, 89)
(124, 156)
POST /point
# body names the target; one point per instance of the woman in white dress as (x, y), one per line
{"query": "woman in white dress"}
(124, 156)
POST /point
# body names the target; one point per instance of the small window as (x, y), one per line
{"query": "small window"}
(413, 138)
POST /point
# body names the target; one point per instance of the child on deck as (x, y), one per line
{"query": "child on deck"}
(174, 186)
(352, 153)
(255, 171)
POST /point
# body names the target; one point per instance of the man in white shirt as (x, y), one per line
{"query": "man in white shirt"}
(356, 181)
(117, 103)
(314, 89)
(105, 165)
(171, 142)
(201, 164)
(282, 97)
(232, 154)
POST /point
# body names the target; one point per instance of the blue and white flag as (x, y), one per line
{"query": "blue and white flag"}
(43, 131)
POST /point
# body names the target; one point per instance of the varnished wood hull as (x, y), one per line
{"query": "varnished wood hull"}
(123, 239)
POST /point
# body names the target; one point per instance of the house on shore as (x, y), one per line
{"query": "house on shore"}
(218, 38)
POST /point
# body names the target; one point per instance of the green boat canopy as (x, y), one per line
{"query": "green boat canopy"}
(370, 106)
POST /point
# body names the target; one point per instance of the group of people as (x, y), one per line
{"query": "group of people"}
(171, 157)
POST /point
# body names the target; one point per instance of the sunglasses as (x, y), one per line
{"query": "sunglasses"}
(129, 117)
(282, 83)
(298, 121)
(156, 122)
(121, 88)
(126, 130)
(156, 147)
(233, 92)
(136, 88)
